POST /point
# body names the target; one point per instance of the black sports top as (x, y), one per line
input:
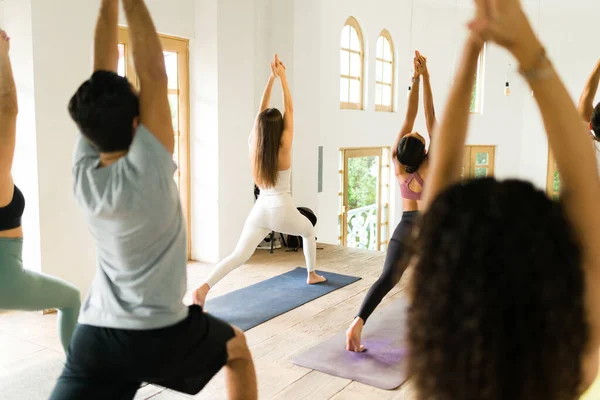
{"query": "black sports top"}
(10, 215)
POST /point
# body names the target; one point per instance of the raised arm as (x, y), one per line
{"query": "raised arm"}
(586, 101)
(8, 120)
(569, 142)
(412, 110)
(427, 97)
(265, 101)
(288, 115)
(448, 149)
(106, 53)
(155, 112)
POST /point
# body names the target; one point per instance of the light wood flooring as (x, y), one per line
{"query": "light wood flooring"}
(28, 341)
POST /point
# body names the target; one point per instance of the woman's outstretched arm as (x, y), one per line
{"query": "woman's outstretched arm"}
(265, 101)
(288, 114)
(8, 120)
(447, 151)
(428, 97)
(504, 22)
(413, 107)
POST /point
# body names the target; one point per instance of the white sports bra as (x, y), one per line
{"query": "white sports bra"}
(282, 186)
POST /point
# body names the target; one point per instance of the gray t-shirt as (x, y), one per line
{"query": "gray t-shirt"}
(135, 216)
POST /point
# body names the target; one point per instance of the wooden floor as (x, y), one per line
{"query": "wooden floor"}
(29, 339)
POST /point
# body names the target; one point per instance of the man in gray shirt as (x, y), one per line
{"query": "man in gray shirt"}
(133, 326)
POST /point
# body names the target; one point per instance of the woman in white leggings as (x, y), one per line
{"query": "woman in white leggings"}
(271, 160)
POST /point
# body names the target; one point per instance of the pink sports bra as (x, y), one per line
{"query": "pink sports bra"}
(407, 192)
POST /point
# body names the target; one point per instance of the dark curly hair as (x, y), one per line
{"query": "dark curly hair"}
(411, 153)
(497, 307)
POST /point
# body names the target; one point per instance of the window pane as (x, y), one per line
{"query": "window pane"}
(174, 103)
(378, 94)
(355, 65)
(354, 40)
(481, 158)
(354, 91)
(474, 105)
(481, 172)
(344, 90)
(387, 55)
(379, 71)
(380, 47)
(345, 42)
(172, 71)
(387, 96)
(121, 67)
(387, 73)
(344, 62)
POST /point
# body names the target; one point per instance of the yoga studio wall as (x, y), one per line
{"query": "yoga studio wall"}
(231, 43)
(52, 46)
(521, 148)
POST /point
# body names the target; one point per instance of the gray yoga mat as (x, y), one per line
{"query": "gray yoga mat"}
(253, 305)
(382, 365)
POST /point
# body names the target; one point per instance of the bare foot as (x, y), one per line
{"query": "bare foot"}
(199, 295)
(353, 335)
(314, 278)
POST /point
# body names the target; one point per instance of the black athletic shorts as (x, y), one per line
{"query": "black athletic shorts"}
(105, 363)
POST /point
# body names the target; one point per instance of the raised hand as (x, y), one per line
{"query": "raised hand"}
(417, 65)
(4, 42)
(279, 66)
(501, 21)
(423, 63)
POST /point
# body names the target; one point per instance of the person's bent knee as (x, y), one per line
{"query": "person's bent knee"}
(237, 347)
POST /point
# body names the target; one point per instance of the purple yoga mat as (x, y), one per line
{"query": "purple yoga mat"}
(382, 365)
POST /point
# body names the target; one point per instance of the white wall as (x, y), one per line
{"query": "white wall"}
(236, 36)
(61, 34)
(204, 151)
(510, 123)
(232, 43)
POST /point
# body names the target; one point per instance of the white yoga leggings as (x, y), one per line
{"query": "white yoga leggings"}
(270, 213)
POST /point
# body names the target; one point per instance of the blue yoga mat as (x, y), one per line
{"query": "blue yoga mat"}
(253, 305)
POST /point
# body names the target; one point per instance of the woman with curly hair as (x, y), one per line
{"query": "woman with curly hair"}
(410, 165)
(505, 293)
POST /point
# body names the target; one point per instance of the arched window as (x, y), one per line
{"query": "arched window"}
(351, 66)
(384, 69)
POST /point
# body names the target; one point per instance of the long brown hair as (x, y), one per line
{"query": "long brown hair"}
(269, 129)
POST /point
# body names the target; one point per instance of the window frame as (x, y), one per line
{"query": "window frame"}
(383, 192)
(380, 107)
(180, 46)
(353, 22)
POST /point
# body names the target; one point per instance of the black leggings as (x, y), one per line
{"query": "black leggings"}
(393, 269)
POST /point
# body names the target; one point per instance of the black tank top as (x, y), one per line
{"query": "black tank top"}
(10, 216)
